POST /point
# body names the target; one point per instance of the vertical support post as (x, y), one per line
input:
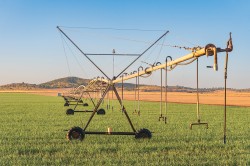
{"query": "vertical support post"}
(113, 63)
(198, 101)
(135, 94)
(225, 98)
(138, 94)
(166, 90)
(166, 86)
(197, 91)
(108, 105)
(122, 87)
(138, 90)
(161, 95)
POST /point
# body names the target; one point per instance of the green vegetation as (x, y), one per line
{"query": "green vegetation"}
(32, 133)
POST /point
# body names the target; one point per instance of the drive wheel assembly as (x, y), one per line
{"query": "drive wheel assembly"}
(143, 134)
(75, 133)
(66, 104)
(85, 104)
(70, 111)
(101, 112)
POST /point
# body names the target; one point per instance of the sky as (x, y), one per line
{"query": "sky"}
(32, 50)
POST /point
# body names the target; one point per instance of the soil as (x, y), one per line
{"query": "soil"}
(214, 98)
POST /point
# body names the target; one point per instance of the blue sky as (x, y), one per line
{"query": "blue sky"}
(32, 49)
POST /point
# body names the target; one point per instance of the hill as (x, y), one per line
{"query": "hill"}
(67, 82)
(72, 82)
(19, 86)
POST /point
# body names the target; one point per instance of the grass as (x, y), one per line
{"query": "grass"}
(32, 133)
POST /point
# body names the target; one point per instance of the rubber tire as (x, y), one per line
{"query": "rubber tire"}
(101, 111)
(143, 134)
(70, 111)
(75, 133)
(85, 104)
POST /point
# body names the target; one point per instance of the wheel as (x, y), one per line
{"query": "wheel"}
(75, 133)
(101, 111)
(85, 104)
(143, 133)
(70, 111)
(66, 104)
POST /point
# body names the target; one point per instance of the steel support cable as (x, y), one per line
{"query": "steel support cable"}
(82, 52)
(184, 40)
(144, 52)
(165, 45)
(117, 29)
(160, 49)
(147, 43)
(128, 65)
(119, 38)
(149, 55)
(113, 54)
(140, 41)
(76, 59)
(65, 54)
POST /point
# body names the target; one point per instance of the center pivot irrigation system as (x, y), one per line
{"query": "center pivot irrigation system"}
(105, 85)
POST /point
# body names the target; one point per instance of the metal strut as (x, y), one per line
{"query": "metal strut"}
(78, 101)
(109, 87)
(123, 108)
(97, 106)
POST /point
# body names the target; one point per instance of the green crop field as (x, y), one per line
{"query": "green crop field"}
(33, 133)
